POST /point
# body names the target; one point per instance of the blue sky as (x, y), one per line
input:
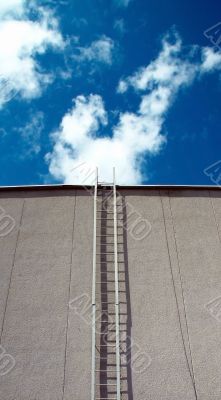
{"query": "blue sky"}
(126, 83)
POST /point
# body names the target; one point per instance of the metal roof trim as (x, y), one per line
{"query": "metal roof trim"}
(82, 187)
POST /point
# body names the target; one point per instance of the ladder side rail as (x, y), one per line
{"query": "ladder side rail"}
(93, 361)
(116, 288)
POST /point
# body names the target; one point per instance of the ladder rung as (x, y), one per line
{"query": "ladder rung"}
(108, 207)
(108, 302)
(106, 212)
(106, 345)
(112, 341)
(106, 398)
(106, 219)
(104, 262)
(111, 272)
(103, 185)
(108, 291)
(104, 334)
(108, 234)
(105, 244)
(109, 261)
(105, 194)
(111, 234)
(106, 282)
(106, 191)
(109, 212)
(113, 291)
(119, 313)
(105, 370)
(106, 384)
(108, 323)
(111, 226)
(112, 302)
(101, 358)
(107, 272)
(105, 311)
(108, 252)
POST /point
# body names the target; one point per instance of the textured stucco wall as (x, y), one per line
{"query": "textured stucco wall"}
(173, 275)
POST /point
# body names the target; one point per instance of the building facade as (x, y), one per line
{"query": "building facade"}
(170, 251)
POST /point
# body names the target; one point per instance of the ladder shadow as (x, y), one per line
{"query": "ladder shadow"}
(107, 367)
(128, 302)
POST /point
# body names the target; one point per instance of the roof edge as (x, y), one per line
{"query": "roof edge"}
(88, 187)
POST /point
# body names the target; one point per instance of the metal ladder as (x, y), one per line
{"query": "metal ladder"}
(106, 376)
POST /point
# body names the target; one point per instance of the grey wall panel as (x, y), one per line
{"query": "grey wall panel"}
(216, 207)
(8, 240)
(155, 326)
(36, 317)
(199, 255)
(78, 362)
(177, 283)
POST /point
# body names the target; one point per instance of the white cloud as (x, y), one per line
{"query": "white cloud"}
(122, 86)
(31, 134)
(20, 41)
(100, 50)
(11, 6)
(167, 70)
(171, 69)
(76, 142)
(119, 26)
(122, 3)
(211, 59)
(136, 134)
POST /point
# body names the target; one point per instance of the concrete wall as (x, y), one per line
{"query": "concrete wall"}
(173, 284)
